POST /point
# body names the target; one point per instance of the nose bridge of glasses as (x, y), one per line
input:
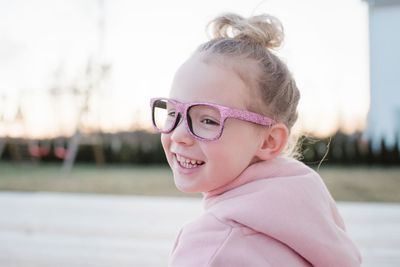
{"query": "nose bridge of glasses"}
(181, 131)
(183, 116)
(181, 108)
(181, 112)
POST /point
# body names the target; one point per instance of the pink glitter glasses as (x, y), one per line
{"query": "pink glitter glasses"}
(204, 121)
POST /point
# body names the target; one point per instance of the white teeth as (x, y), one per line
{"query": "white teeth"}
(188, 163)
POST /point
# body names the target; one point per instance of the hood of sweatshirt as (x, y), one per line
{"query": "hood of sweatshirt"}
(288, 201)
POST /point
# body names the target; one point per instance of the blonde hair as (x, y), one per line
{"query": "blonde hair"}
(254, 39)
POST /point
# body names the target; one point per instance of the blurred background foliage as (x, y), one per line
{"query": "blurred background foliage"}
(133, 163)
(144, 148)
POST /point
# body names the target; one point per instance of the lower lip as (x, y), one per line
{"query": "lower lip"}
(184, 170)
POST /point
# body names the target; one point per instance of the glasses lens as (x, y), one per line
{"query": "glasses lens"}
(164, 115)
(205, 121)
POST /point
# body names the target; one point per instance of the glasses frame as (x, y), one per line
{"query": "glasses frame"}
(226, 112)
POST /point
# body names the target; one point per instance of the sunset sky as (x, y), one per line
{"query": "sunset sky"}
(47, 43)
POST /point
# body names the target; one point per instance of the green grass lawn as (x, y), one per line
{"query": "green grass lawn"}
(110, 179)
(345, 183)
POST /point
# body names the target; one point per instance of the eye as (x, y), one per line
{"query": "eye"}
(171, 113)
(210, 122)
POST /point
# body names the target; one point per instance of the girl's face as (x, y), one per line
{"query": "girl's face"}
(212, 163)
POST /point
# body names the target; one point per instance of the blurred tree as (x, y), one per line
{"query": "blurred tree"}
(97, 71)
(2, 124)
(15, 144)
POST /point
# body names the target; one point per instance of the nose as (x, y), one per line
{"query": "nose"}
(181, 135)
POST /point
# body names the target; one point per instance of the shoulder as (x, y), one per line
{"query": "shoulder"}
(212, 242)
(285, 203)
(199, 241)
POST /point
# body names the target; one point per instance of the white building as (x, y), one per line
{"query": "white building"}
(384, 41)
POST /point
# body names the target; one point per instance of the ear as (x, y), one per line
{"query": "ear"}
(274, 140)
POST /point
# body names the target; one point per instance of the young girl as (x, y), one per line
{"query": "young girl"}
(225, 129)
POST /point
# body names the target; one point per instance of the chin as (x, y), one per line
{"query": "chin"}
(185, 188)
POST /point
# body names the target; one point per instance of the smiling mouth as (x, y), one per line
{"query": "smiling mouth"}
(188, 163)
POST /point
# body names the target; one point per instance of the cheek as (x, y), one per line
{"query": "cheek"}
(238, 147)
(166, 143)
(228, 159)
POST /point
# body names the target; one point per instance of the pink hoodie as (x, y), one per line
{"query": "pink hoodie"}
(275, 214)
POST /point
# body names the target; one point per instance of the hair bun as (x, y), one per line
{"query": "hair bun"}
(264, 29)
